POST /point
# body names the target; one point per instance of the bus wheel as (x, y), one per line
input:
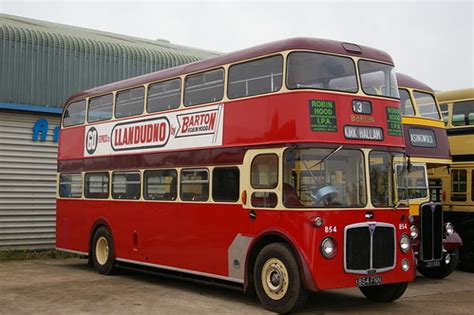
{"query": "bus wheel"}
(445, 269)
(277, 279)
(384, 293)
(467, 252)
(103, 254)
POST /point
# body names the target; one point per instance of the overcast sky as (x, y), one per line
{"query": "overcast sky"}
(431, 41)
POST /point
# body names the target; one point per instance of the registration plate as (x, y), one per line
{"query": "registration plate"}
(370, 280)
(432, 264)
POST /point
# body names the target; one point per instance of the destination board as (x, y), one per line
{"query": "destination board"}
(322, 115)
(394, 122)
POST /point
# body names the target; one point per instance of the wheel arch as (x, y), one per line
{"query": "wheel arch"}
(274, 236)
(102, 222)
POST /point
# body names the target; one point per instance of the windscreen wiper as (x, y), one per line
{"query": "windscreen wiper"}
(322, 160)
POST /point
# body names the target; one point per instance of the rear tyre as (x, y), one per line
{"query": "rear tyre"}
(277, 279)
(384, 293)
(444, 269)
(103, 253)
(467, 252)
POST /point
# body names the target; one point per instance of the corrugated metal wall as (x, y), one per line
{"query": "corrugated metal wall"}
(43, 63)
(27, 183)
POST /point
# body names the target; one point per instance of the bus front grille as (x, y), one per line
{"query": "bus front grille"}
(431, 222)
(369, 247)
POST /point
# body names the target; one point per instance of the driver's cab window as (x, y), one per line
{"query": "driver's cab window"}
(317, 178)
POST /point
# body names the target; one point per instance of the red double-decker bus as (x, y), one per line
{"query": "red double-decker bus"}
(269, 168)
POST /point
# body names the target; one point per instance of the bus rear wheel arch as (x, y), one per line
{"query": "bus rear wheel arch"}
(277, 279)
(103, 251)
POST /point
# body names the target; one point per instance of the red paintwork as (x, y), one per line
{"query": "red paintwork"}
(197, 236)
(279, 118)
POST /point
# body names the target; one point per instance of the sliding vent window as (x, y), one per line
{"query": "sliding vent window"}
(100, 108)
(161, 185)
(75, 114)
(195, 185)
(126, 185)
(70, 185)
(319, 71)
(96, 185)
(129, 103)
(163, 96)
(203, 88)
(255, 77)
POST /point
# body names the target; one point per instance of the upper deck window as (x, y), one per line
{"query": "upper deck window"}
(75, 114)
(426, 105)
(308, 70)
(463, 113)
(255, 77)
(405, 103)
(444, 112)
(129, 102)
(164, 95)
(376, 77)
(204, 87)
(100, 108)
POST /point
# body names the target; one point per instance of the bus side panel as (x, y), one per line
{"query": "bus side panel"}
(72, 231)
(73, 147)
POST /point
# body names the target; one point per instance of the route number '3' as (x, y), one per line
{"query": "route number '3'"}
(330, 229)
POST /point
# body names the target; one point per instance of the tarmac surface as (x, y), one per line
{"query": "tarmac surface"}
(70, 286)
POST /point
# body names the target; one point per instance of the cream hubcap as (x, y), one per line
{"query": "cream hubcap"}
(102, 250)
(275, 278)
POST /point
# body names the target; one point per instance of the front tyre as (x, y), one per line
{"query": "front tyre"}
(103, 253)
(384, 293)
(445, 269)
(277, 279)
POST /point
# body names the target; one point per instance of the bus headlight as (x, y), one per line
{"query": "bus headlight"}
(411, 219)
(404, 243)
(449, 227)
(413, 232)
(328, 247)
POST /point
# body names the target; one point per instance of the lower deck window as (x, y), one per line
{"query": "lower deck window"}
(96, 185)
(195, 185)
(160, 185)
(225, 184)
(70, 185)
(126, 185)
(458, 185)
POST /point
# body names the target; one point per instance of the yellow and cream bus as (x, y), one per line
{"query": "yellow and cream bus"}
(457, 187)
(435, 243)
